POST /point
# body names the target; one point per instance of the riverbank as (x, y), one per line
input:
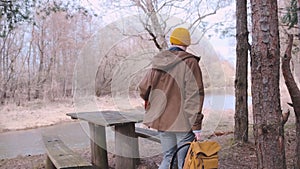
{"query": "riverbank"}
(41, 113)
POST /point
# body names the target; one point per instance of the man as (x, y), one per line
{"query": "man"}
(173, 92)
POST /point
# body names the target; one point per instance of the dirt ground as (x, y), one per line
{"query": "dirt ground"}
(232, 155)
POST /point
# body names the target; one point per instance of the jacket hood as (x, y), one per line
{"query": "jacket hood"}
(166, 60)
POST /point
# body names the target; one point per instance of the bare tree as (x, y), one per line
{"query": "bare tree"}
(35, 42)
(37, 61)
(158, 13)
(41, 45)
(294, 94)
(30, 66)
(290, 65)
(58, 41)
(265, 59)
(14, 13)
(10, 51)
(298, 14)
(154, 28)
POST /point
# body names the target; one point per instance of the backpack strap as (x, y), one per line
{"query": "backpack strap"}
(175, 153)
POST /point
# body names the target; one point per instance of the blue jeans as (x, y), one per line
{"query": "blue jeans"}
(169, 142)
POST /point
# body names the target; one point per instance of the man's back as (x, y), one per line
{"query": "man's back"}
(171, 73)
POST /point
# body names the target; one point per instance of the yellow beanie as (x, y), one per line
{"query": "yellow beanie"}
(180, 36)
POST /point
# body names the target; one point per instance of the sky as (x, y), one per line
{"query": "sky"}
(225, 45)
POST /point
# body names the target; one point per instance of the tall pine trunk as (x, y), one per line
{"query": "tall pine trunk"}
(241, 82)
(265, 60)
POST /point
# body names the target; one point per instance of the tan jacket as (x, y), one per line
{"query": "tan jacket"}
(175, 92)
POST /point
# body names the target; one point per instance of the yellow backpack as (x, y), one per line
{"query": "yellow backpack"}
(200, 155)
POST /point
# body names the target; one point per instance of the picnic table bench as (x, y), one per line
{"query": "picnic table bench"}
(147, 133)
(62, 157)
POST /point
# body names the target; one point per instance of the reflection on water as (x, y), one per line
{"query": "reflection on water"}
(221, 102)
(218, 104)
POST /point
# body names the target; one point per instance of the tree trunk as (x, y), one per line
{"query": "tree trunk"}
(294, 94)
(241, 93)
(3, 70)
(41, 46)
(265, 60)
(158, 37)
(28, 97)
(43, 74)
(155, 30)
(298, 14)
(28, 80)
(39, 84)
(2, 91)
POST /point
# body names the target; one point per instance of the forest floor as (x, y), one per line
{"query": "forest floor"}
(40, 113)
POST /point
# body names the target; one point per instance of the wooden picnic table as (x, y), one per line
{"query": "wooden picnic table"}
(126, 143)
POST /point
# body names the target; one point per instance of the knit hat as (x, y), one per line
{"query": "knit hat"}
(180, 36)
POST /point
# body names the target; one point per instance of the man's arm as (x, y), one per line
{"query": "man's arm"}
(194, 94)
(145, 86)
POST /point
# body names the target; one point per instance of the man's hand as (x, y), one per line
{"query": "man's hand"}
(146, 104)
(197, 134)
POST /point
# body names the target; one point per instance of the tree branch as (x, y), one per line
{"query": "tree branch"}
(154, 38)
(202, 17)
(289, 79)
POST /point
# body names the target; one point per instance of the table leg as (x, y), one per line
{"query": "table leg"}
(127, 151)
(98, 146)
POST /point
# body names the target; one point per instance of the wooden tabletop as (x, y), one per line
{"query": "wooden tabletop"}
(108, 118)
